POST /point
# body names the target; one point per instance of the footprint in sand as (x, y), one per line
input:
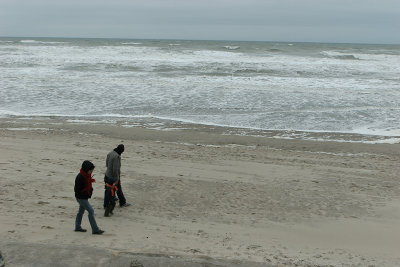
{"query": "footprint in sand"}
(193, 250)
(252, 247)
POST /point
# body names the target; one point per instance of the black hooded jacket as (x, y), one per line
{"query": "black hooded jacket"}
(80, 182)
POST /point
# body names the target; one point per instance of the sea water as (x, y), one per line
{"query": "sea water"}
(311, 87)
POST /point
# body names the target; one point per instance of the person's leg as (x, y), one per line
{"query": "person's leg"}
(122, 200)
(78, 219)
(112, 208)
(113, 202)
(86, 205)
(107, 201)
(105, 197)
(105, 191)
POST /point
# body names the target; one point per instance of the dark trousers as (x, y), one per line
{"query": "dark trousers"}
(110, 199)
(120, 194)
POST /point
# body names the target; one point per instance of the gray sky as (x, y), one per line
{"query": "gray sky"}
(360, 21)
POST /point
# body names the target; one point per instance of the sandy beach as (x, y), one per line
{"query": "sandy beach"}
(198, 194)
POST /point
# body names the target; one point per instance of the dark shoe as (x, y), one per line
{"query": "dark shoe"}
(112, 209)
(80, 230)
(125, 205)
(98, 232)
(107, 211)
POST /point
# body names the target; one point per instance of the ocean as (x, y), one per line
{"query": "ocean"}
(290, 87)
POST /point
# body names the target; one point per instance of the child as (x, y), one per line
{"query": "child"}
(110, 195)
(83, 191)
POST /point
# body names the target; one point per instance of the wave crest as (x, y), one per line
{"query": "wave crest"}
(232, 47)
(40, 42)
(339, 55)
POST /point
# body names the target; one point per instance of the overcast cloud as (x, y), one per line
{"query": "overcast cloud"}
(361, 21)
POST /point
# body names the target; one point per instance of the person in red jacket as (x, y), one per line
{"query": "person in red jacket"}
(83, 191)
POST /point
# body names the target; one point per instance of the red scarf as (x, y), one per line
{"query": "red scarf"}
(89, 180)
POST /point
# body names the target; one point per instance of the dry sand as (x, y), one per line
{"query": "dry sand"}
(199, 193)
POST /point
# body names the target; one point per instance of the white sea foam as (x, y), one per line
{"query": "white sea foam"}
(339, 55)
(41, 42)
(374, 130)
(28, 41)
(83, 121)
(230, 47)
(6, 113)
(384, 141)
(361, 56)
(131, 43)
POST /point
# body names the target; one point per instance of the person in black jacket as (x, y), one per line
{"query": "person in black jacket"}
(111, 190)
(83, 191)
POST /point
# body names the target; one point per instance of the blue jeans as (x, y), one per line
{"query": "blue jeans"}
(85, 205)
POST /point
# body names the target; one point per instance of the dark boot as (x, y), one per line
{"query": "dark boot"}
(107, 211)
(112, 208)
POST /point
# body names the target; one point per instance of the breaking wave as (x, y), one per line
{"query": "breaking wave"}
(338, 55)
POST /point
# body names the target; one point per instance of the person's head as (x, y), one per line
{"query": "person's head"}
(119, 149)
(87, 167)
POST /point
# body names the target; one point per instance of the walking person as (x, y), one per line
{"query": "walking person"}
(113, 173)
(110, 195)
(83, 191)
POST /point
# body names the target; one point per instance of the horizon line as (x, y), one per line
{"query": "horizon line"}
(183, 39)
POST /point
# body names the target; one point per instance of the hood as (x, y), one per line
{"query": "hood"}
(87, 166)
(119, 149)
